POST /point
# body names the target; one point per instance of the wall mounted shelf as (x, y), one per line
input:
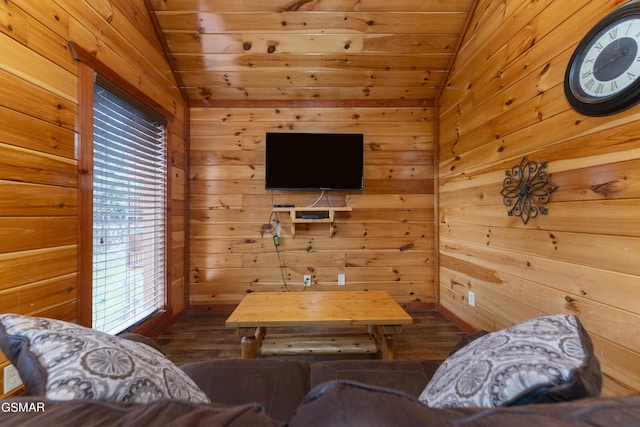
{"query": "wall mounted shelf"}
(301, 215)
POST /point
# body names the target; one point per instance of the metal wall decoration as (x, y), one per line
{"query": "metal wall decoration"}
(526, 189)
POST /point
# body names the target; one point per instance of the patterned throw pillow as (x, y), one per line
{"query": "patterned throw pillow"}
(546, 359)
(64, 361)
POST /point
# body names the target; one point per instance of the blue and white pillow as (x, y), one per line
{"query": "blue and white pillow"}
(546, 359)
(64, 361)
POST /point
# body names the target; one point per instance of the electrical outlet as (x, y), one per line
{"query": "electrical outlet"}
(341, 280)
(11, 379)
(307, 280)
(471, 298)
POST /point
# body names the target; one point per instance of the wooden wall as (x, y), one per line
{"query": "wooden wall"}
(39, 219)
(384, 243)
(505, 100)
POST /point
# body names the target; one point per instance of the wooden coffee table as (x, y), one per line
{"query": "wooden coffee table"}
(376, 310)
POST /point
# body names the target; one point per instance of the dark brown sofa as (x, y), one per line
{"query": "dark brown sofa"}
(296, 393)
(278, 392)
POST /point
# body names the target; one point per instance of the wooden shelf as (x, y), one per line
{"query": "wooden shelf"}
(300, 215)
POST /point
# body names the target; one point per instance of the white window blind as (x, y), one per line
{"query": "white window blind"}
(129, 199)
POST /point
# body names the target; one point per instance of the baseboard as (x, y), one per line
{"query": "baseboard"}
(409, 307)
(418, 307)
(154, 328)
(464, 326)
(214, 308)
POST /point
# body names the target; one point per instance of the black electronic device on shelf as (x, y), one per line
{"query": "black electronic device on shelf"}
(314, 215)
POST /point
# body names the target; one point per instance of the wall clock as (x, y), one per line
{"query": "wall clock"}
(603, 75)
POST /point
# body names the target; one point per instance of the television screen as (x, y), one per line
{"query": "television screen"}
(314, 161)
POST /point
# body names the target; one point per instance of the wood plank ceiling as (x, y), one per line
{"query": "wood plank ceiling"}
(234, 52)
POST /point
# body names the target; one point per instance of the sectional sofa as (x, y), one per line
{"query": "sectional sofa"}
(542, 372)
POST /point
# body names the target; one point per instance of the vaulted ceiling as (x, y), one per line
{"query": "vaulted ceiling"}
(227, 52)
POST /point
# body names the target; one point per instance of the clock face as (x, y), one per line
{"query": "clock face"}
(611, 62)
(603, 75)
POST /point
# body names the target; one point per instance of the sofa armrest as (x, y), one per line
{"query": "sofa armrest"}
(347, 404)
(467, 339)
(132, 336)
(278, 385)
(41, 412)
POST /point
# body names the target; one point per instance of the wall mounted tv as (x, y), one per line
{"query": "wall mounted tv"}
(314, 161)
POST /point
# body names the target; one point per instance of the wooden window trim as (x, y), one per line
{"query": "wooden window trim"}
(84, 57)
(87, 66)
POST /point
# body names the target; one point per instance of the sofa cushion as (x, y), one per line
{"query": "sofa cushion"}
(279, 385)
(348, 404)
(546, 359)
(407, 376)
(63, 361)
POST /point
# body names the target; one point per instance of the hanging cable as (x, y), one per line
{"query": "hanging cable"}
(275, 234)
(317, 200)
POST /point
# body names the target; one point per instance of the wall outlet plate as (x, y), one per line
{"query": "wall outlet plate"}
(341, 279)
(307, 280)
(471, 298)
(12, 379)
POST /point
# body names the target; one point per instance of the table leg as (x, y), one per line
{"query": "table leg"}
(251, 340)
(387, 341)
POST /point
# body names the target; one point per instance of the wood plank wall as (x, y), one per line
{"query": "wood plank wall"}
(505, 100)
(39, 217)
(384, 243)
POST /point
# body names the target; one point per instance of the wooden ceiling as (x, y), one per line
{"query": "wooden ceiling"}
(230, 52)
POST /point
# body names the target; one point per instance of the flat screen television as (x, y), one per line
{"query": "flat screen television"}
(314, 161)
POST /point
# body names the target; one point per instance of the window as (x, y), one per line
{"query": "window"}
(129, 218)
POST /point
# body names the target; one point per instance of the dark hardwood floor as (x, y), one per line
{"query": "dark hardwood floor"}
(200, 336)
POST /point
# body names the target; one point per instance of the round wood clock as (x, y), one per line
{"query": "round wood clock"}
(603, 75)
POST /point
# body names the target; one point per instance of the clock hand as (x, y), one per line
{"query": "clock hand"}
(606, 64)
(617, 54)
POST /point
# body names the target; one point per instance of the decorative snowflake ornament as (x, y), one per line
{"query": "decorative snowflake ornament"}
(526, 189)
